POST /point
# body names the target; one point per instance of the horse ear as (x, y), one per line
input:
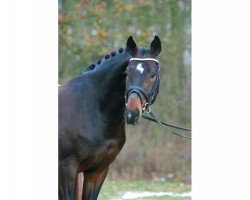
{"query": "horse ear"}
(155, 47)
(131, 46)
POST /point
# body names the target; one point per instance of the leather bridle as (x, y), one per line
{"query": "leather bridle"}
(150, 98)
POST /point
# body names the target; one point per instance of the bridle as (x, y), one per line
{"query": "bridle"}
(150, 98)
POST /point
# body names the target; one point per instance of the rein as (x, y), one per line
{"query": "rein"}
(150, 98)
(165, 125)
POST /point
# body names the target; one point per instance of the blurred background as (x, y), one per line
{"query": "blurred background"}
(90, 29)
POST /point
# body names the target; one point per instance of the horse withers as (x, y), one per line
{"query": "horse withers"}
(93, 109)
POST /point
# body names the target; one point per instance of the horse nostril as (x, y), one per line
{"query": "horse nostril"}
(136, 113)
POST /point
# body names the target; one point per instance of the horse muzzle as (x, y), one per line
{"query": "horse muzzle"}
(133, 109)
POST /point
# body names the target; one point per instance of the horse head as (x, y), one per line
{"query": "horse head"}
(143, 78)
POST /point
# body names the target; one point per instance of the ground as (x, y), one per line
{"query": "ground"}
(117, 190)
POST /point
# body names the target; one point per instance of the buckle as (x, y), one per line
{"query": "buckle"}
(145, 106)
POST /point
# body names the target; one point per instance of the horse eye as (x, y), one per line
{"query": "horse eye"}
(153, 74)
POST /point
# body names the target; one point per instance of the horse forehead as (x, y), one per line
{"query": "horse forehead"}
(140, 68)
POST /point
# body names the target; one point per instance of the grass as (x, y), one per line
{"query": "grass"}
(115, 189)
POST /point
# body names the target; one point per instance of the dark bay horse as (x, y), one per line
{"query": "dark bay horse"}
(93, 109)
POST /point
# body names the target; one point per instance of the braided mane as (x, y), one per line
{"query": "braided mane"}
(107, 56)
(143, 50)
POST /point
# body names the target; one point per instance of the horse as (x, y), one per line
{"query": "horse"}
(93, 109)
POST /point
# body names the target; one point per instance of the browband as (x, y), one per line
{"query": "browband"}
(143, 59)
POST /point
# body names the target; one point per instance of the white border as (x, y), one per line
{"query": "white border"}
(28, 102)
(220, 99)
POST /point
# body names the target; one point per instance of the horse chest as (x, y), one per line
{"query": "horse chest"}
(102, 156)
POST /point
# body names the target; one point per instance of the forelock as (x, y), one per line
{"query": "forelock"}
(144, 50)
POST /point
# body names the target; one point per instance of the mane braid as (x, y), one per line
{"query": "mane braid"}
(107, 56)
(142, 49)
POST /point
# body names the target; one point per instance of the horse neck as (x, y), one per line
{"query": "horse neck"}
(110, 80)
(111, 71)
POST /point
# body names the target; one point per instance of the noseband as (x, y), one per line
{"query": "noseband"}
(150, 98)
